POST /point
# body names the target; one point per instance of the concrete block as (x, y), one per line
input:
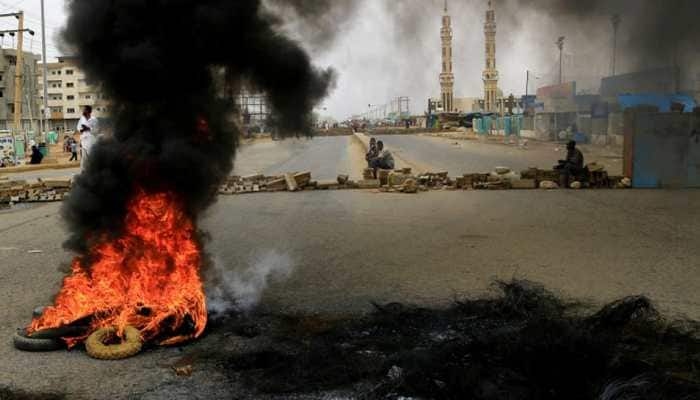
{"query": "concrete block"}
(523, 184)
(302, 178)
(292, 185)
(369, 184)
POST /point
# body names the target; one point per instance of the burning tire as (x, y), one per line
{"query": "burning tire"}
(27, 343)
(96, 347)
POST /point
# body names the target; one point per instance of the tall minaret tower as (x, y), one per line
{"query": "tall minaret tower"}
(490, 73)
(447, 78)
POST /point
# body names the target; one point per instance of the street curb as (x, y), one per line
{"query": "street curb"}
(31, 168)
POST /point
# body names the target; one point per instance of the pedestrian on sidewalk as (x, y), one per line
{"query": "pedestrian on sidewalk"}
(73, 150)
(37, 156)
(87, 126)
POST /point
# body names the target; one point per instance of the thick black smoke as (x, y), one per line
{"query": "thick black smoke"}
(319, 21)
(158, 62)
(652, 33)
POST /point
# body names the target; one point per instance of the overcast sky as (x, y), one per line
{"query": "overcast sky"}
(388, 48)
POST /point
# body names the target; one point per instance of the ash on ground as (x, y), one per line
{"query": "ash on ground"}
(523, 343)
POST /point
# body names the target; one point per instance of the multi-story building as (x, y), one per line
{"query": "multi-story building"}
(30, 104)
(69, 93)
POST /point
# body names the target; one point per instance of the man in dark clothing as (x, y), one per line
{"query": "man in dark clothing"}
(572, 167)
(36, 156)
(384, 159)
(372, 153)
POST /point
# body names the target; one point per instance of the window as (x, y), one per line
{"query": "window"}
(53, 72)
(71, 97)
(70, 84)
(1, 94)
(69, 72)
(88, 97)
(70, 110)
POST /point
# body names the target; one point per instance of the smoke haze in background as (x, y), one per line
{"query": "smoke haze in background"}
(173, 129)
(391, 48)
(231, 290)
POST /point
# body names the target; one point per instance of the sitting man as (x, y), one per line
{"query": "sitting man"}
(372, 153)
(384, 159)
(571, 168)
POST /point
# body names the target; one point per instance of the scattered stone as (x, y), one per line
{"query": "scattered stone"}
(185, 370)
(343, 179)
(548, 185)
(292, 185)
(410, 186)
(397, 178)
(501, 170)
(383, 176)
(576, 185)
(302, 179)
(626, 182)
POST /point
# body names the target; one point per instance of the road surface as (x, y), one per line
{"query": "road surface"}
(468, 156)
(325, 157)
(339, 250)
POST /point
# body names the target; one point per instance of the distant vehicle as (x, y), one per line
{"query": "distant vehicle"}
(468, 120)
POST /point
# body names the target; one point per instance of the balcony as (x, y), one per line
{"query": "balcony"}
(57, 115)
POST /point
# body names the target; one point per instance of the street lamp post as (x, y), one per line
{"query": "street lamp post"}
(616, 24)
(45, 114)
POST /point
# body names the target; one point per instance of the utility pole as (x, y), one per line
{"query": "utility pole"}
(19, 68)
(616, 24)
(527, 81)
(45, 114)
(560, 45)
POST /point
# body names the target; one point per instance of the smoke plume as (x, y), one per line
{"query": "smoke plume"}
(317, 22)
(651, 33)
(231, 290)
(160, 64)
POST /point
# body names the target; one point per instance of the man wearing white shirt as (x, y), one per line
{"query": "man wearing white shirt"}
(87, 126)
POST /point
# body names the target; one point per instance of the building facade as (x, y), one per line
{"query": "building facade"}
(490, 72)
(447, 79)
(30, 102)
(69, 93)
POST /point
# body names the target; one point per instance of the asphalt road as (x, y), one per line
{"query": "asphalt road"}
(326, 157)
(335, 251)
(469, 156)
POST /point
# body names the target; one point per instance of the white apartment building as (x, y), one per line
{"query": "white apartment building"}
(68, 94)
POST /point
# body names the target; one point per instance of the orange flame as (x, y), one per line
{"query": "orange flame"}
(147, 278)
